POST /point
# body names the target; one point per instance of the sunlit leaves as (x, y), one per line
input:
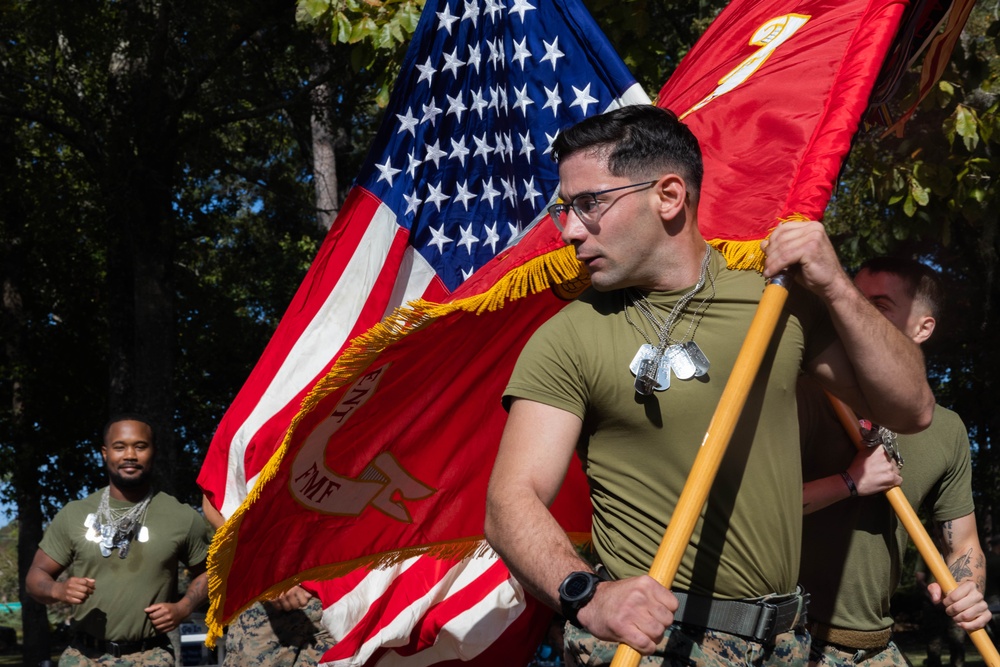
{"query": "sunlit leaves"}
(651, 47)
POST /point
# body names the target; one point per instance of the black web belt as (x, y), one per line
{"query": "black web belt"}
(118, 649)
(758, 620)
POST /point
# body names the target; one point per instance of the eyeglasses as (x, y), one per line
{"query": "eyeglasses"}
(586, 206)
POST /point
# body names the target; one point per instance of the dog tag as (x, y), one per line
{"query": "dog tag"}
(697, 357)
(645, 352)
(680, 362)
(144, 534)
(648, 363)
(89, 521)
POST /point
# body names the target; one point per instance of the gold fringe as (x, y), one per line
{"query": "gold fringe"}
(740, 255)
(553, 268)
(747, 255)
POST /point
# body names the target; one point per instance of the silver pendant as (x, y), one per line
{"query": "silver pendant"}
(680, 363)
(89, 521)
(107, 540)
(697, 357)
(645, 379)
(144, 534)
(651, 374)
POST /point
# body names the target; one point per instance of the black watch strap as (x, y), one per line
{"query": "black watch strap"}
(575, 592)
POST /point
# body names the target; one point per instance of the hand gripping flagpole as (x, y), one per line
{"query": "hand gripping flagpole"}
(720, 431)
(928, 551)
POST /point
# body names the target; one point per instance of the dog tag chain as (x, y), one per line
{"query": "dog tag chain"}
(653, 364)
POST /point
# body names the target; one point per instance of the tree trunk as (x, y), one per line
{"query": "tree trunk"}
(137, 180)
(142, 342)
(37, 643)
(35, 623)
(324, 159)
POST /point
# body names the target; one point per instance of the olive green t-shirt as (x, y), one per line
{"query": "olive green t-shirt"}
(637, 450)
(124, 587)
(852, 550)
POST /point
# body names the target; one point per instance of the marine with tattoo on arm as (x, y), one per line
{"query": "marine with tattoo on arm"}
(852, 543)
(629, 375)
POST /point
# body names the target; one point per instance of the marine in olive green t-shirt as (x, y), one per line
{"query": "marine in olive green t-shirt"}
(124, 587)
(637, 450)
(852, 549)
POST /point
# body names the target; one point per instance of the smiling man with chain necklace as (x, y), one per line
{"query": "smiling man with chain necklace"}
(121, 547)
(629, 376)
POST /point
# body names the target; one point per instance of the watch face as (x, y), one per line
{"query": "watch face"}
(577, 586)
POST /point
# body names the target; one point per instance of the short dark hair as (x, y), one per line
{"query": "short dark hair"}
(922, 282)
(638, 139)
(128, 417)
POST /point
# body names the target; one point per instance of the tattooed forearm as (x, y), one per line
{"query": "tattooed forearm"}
(961, 567)
(948, 534)
(197, 590)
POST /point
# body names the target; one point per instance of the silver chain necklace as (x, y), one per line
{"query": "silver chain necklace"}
(653, 364)
(114, 528)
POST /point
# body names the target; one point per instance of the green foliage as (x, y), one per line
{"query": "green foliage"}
(377, 30)
(8, 562)
(650, 35)
(183, 155)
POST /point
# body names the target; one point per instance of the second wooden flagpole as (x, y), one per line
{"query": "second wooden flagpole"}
(925, 545)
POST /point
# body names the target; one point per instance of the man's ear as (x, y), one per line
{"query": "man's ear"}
(672, 191)
(925, 327)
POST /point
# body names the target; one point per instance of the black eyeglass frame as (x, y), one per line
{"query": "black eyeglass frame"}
(560, 209)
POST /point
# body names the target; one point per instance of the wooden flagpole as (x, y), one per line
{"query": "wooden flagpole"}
(925, 545)
(720, 431)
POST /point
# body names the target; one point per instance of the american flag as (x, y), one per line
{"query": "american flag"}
(459, 171)
(486, 87)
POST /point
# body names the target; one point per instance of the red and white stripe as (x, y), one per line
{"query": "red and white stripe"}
(364, 269)
(422, 611)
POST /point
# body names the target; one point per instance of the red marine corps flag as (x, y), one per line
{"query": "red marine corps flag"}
(377, 490)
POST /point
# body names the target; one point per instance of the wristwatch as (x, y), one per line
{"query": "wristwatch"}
(575, 592)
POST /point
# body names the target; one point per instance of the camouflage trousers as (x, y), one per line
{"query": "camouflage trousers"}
(686, 646)
(87, 657)
(822, 654)
(265, 636)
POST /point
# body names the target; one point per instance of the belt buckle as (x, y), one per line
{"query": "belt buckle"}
(113, 649)
(764, 632)
(781, 617)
